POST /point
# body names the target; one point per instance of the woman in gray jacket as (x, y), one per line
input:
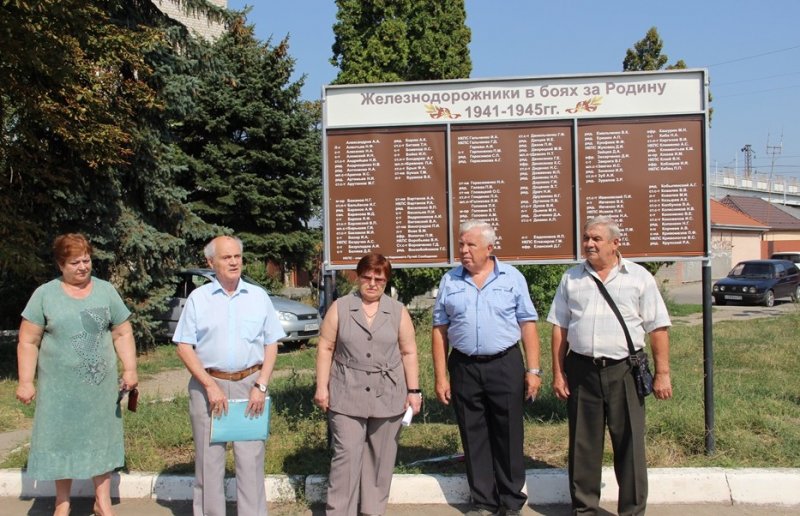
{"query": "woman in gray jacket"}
(367, 377)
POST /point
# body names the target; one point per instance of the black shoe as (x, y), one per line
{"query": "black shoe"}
(480, 511)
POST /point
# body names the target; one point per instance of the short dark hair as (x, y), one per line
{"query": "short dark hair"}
(70, 244)
(374, 262)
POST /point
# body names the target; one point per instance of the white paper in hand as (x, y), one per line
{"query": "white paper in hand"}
(407, 417)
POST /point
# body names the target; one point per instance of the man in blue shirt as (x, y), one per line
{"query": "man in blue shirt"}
(227, 337)
(482, 310)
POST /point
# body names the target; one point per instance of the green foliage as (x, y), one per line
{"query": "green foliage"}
(414, 282)
(542, 283)
(253, 148)
(85, 144)
(646, 55)
(258, 271)
(402, 40)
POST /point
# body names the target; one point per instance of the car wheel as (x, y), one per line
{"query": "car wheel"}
(796, 294)
(719, 301)
(769, 298)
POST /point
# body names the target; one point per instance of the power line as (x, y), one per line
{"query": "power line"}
(754, 56)
(716, 97)
(716, 85)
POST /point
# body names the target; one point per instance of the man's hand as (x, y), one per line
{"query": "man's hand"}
(560, 386)
(257, 401)
(217, 401)
(533, 382)
(662, 386)
(443, 391)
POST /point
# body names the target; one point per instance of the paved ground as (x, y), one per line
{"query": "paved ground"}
(128, 507)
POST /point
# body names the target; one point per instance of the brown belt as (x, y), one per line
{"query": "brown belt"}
(236, 376)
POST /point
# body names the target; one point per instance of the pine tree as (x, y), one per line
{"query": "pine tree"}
(254, 149)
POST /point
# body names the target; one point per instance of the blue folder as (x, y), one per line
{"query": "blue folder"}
(236, 426)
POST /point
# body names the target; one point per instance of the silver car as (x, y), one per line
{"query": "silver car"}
(300, 321)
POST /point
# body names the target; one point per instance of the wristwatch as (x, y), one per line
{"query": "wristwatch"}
(537, 372)
(261, 387)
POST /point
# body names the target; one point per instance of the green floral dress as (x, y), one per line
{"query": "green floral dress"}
(77, 428)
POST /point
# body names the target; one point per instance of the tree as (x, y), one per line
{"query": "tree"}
(254, 148)
(85, 147)
(402, 40)
(646, 55)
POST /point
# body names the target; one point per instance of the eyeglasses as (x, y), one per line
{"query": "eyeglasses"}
(370, 279)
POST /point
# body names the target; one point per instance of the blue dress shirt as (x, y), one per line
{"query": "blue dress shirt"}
(229, 332)
(483, 321)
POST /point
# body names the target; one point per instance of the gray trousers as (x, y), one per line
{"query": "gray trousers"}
(364, 452)
(600, 397)
(209, 462)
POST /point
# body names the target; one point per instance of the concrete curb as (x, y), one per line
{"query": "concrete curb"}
(544, 487)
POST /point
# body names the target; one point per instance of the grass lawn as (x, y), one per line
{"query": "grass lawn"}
(757, 411)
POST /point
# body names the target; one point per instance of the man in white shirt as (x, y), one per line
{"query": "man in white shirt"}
(227, 337)
(591, 370)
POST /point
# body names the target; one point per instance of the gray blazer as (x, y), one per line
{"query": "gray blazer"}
(367, 376)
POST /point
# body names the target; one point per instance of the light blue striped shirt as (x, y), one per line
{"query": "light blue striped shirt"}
(229, 332)
(483, 321)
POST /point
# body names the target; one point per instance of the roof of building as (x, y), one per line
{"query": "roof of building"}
(762, 211)
(725, 217)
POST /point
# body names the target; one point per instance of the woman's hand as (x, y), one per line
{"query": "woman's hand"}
(414, 400)
(26, 392)
(321, 398)
(130, 380)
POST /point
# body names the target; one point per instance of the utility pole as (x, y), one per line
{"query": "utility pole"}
(748, 160)
(774, 151)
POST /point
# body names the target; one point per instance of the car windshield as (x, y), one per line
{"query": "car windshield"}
(752, 270)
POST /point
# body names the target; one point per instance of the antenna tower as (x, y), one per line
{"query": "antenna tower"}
(748, 160)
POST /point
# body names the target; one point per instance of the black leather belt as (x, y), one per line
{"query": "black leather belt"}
(598, 361)
(484, 358)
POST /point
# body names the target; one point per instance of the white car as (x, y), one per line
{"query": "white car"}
(792, 256)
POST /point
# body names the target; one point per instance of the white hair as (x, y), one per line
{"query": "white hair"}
(487, 231)
(603, 220)
(210, 249)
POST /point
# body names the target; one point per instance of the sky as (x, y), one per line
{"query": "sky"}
(751, 50)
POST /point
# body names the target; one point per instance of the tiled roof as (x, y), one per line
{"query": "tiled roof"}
(723, 216)
(762, 211)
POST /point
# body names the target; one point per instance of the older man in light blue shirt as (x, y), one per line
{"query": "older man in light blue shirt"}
(227, 337)
(482, 310)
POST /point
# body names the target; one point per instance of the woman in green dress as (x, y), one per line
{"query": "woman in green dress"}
(73, 329)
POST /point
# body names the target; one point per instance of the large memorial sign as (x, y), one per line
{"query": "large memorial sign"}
(406, 163)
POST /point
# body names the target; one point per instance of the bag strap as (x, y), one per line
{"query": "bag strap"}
(614, 308)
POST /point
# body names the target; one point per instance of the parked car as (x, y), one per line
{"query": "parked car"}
(792, 256)
(759, 282)
(300, 321)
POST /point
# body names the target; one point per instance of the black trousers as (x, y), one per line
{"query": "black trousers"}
(600, 397)
(488, 398)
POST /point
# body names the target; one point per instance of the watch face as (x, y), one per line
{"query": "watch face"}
(262, 388)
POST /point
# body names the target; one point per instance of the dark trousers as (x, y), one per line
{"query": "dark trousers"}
(601, 396)
(488, 399)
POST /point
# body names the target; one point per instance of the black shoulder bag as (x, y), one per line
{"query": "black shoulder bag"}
(640, 366)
